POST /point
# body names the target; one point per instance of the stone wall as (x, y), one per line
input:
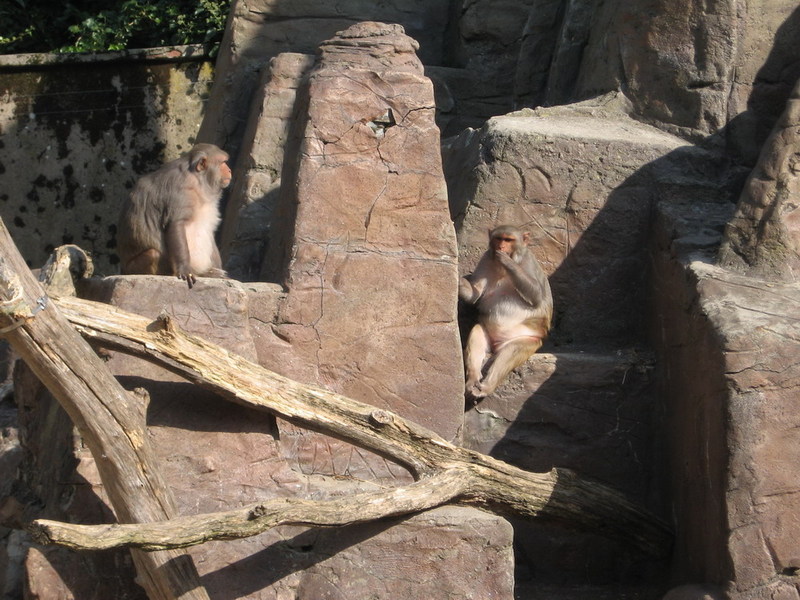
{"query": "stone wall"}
(727, 350)
(78, 130)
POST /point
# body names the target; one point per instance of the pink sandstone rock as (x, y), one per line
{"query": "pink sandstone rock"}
(763, 237)
(370, 266)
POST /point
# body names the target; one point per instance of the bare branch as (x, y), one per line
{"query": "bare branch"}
(255, 518)
(97, 405)
(485, 482)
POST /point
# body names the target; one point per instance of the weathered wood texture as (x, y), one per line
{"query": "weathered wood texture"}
(455, 474)
(98, 406)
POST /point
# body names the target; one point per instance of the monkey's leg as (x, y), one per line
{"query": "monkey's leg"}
(475, 354)
(144, 263)
(511, 355)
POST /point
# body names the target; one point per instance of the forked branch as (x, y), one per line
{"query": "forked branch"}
(473, 478)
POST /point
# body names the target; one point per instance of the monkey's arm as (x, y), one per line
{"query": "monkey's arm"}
(471, 287)
(527, 279)
(178, 249)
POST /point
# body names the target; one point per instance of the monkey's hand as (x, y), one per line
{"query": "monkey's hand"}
(186, 274)
(506, 260)
(465, 290)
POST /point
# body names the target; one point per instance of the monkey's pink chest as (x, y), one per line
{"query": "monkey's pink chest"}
(200, 238)
(505, 316)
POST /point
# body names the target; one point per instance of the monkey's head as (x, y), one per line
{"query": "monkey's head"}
(508, 239)
(211, 163)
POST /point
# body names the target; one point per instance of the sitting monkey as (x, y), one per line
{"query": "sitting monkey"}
(515, 307)
(167, 224)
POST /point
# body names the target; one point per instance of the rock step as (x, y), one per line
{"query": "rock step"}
(585, 410)
(587, 592)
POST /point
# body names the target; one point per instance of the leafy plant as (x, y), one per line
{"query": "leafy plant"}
(98, 26)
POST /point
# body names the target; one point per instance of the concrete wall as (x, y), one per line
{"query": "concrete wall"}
(77, 130)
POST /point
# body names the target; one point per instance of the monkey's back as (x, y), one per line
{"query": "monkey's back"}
(146, 212)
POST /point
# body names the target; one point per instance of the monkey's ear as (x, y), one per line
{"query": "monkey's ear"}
(198, 160)
(201, 164)
(526, 237)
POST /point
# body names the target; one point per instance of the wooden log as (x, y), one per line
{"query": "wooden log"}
(484, 482)
(255, 518)
(96, 403)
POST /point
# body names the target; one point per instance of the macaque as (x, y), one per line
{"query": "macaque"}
(167, 224)
(515, 307)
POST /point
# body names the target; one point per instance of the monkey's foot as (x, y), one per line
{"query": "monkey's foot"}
(477, 390)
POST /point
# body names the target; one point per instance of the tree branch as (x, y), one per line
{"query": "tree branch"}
(255, 518)
(98, 406)
(484, 482)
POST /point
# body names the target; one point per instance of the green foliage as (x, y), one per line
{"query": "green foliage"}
(99, 26)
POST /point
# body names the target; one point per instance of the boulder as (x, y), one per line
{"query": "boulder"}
(217, 456)
(370, 262)
(579, 179)
(727, 347)
(258, 31)
(244, 234)
(588, 412)
(763, 237)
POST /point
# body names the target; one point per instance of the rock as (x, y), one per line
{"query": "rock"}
(694, 67)
(370, 264)
(216, 456)
(727, 347)
(763, 237)
(552, 50)
(260, 30)
(256, 179)
(580, 179)
(589, 412)
(694, 592)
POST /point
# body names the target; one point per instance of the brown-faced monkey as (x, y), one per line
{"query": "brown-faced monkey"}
(515, 307)
(167, 224)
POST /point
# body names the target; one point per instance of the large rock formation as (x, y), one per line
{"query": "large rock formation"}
(581, 180)
(727, 347)
(665, 375)
(260, 30)
(370, 261)
(763, 237)
(245, 231)
(217, 456)
(367, 308)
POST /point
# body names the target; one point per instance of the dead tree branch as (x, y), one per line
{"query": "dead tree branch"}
(481, 480)
(97, 405)
(256, 518)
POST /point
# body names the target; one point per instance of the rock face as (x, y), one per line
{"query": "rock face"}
(582, 180)
(667, 375)
(579, 179)
(763, 237)
(587, 411)
(370, 260)
(260, 30)
(244, 234)
(687, 66)
(728, 346)
(217, 456)
(366, 307)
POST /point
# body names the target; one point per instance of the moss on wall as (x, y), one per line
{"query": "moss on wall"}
(76, 133)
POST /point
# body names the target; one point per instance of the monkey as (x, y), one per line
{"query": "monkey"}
(167, 224)
(515, 310)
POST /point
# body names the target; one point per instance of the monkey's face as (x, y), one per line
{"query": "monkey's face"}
(224, 174)
(505, 243)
